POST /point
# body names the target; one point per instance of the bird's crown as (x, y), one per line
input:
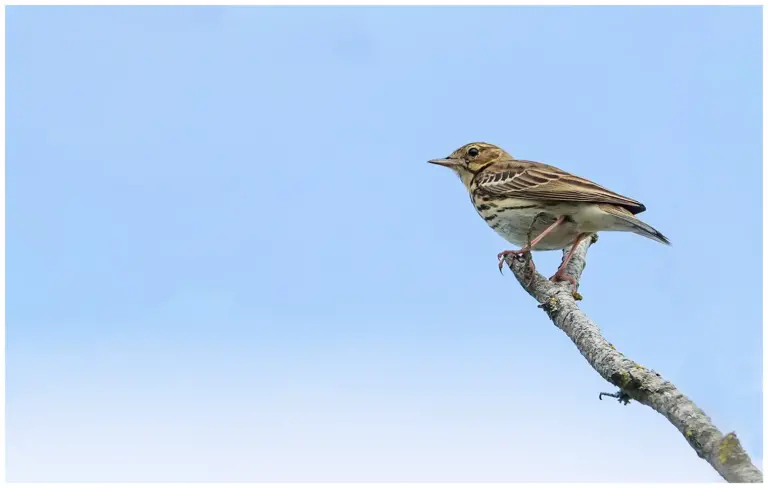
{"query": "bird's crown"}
(479, 152)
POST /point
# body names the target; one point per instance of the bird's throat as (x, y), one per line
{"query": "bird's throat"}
(465, 176)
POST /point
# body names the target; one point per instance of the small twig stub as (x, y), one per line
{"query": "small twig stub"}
(619, 395)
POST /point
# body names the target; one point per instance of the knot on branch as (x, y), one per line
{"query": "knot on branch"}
(550, 305)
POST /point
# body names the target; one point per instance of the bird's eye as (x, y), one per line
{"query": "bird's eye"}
(473, 151)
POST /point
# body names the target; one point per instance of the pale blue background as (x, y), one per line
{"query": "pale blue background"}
(229, 260)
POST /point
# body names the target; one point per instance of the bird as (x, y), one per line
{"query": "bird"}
(539, 207)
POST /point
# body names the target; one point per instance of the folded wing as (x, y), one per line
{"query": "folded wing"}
(531, 180)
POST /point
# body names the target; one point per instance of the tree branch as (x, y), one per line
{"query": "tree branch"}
(723, 452)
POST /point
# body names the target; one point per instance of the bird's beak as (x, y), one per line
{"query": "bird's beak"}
(447, 162)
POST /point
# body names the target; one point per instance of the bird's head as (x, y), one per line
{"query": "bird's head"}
(467, 160)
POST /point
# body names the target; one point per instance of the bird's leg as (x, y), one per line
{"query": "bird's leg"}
(529, 261)
(527, 248)
(560, 274)
(529, 264)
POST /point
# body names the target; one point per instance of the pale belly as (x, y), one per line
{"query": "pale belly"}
(513, 222)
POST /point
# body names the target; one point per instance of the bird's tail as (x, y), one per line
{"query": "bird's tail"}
(624, 220)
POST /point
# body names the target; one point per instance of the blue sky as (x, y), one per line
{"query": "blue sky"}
(228, 260)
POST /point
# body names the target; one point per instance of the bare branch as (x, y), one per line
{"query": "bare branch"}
(723, 452)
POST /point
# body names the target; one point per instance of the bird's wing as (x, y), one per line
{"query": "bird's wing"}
(530, 180)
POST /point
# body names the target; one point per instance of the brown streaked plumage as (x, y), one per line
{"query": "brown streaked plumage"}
(516, 197)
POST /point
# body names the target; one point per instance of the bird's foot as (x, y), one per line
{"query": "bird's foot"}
(518, 252)
(561, 275)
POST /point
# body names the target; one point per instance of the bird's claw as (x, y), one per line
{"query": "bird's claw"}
(502, 257)
(561, 275)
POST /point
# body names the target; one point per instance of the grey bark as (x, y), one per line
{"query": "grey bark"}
(645, 386)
